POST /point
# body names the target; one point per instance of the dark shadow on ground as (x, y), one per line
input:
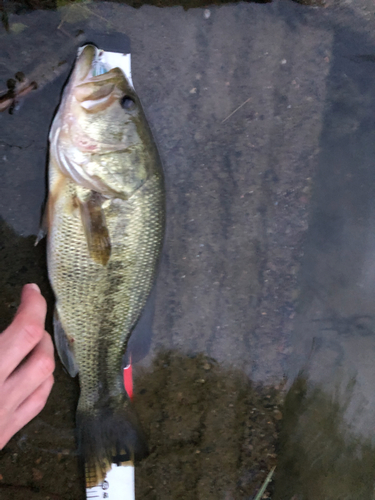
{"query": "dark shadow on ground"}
(327, 448)
(321, 456)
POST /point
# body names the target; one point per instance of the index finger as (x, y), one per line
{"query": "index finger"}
(25, 331)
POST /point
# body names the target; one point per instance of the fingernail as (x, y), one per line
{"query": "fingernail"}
(33, 286)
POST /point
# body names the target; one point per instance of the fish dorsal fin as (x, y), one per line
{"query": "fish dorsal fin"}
(64, 346)
(95, 227)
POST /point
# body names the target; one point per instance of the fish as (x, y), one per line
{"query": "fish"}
(105, 220)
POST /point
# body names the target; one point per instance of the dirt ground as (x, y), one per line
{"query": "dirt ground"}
(187, 403)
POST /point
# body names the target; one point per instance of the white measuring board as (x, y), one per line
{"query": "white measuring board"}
(117, 60)
(117, 485)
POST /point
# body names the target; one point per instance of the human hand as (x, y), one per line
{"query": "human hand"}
(26, 364)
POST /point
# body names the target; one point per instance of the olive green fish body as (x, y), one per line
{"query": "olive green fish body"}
(105, 217)
(99, 305)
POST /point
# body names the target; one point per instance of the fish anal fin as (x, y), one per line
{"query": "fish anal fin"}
(64, 346)
(94, 225)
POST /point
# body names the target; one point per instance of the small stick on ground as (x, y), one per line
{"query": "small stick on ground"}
(239, 107)
(265, 484)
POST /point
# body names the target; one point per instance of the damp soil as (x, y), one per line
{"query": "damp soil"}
(187, 404)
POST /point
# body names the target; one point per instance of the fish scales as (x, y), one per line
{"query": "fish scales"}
(112, 297)
(105, 222)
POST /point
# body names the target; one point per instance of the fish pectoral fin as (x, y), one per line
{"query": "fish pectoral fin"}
(47, 213)
(64, 346)
(43, 229)
(95, 227)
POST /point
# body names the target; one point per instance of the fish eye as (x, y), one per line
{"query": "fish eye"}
(127, 103)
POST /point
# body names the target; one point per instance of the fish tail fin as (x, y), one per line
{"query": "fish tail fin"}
(109, 435)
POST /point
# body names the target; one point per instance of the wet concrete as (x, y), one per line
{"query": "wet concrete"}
(329, 449)
(264, 119)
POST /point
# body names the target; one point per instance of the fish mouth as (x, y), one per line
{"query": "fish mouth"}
(97, 85)
(89, 63)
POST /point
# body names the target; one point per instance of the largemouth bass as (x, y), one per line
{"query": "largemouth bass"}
(105, 220)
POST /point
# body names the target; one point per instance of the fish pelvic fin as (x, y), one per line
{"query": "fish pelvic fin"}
(107, 436)
(95, 227)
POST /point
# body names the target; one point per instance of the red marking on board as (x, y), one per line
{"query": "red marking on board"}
(128, 379)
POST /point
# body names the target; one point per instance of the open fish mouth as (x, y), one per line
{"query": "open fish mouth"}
(97, 85)
(101, 77)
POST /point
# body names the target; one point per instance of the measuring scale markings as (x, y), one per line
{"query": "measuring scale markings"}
(117, 485)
